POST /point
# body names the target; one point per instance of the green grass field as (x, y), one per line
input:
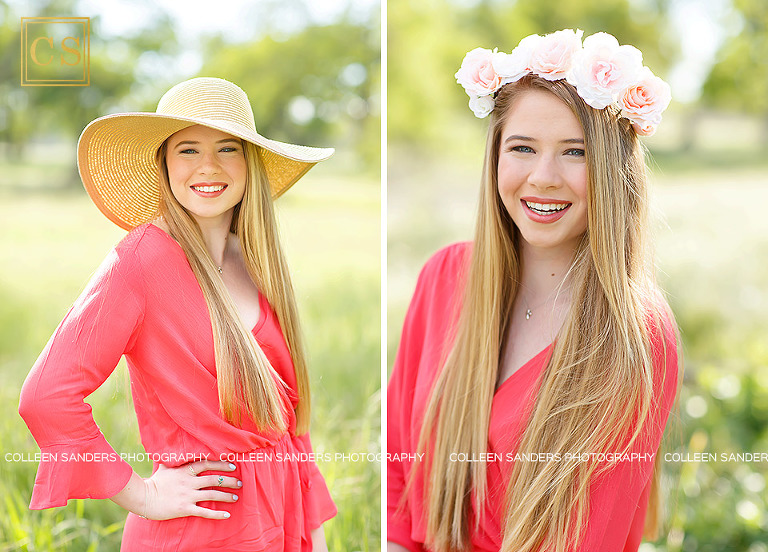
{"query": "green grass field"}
(53, 239)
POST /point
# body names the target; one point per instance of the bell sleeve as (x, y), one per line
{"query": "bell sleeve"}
(318, 507)
(101, 326)
(426, 331)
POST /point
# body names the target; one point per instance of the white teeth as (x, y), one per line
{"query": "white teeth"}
(209, 188)
(546, 207)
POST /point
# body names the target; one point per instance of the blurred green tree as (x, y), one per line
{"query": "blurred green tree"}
(318, 84)
(739, 79)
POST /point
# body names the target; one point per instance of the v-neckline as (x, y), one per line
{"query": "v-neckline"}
(262, 300)
(522, 368)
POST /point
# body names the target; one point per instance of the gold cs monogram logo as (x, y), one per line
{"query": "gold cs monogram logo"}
(45, 38)
(49, 40)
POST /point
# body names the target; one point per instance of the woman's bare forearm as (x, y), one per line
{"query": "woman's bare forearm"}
(133, 497)
(318, 540)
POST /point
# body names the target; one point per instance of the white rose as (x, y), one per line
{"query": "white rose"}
(481, 106)
(512, 67)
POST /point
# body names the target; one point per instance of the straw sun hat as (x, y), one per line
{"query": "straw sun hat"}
(116, 153)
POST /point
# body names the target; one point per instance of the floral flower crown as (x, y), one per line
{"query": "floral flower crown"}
(602, 72)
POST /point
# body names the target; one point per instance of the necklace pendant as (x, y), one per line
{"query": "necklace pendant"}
(221, 271)
(528, 314)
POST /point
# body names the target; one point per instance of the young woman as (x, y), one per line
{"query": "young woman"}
(199, 300)
(538, 364)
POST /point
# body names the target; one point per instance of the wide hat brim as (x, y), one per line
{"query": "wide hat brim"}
(116, 160)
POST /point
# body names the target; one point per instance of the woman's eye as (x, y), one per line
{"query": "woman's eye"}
(523, 149)
(576, 152)
(228, 149)
(189, 150)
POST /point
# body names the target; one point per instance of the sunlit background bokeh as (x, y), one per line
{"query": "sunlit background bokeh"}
(312, 73)
(709, 171)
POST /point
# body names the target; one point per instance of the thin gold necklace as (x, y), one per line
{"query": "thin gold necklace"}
(223, 256)
(529, 310)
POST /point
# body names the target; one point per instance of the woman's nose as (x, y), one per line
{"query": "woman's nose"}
(209, 164)
(545, 173)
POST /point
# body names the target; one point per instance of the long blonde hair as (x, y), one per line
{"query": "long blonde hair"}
(601, 357)
(247, 382)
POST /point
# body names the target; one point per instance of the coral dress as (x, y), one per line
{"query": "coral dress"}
(145, 303)
(618, 501)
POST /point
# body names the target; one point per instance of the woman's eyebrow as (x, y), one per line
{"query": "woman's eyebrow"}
(519, 137)
(529, 139)
(195, 142)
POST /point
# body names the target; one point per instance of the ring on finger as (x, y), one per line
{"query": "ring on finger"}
(221, 480)
(192, 471)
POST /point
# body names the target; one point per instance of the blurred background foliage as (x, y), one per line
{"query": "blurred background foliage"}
(739, 78)
(312, 73)
(708, 164)
(317, 83)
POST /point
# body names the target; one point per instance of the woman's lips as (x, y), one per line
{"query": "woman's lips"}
(209, 189)
(545, 211)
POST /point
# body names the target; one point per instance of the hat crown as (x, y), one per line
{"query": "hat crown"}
(210, 99)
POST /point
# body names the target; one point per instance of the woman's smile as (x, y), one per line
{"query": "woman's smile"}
(209, 189)
(544, 210)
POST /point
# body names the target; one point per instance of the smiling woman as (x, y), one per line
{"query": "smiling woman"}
(198, 298)
(542, 174)
(207, 170)
(543, 346)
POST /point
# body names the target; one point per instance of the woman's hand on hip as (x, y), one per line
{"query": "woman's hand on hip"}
(174, 492)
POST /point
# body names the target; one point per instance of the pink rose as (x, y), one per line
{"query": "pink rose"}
(553, 55)
(603, 69)
(477, 75)
(643, 102)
